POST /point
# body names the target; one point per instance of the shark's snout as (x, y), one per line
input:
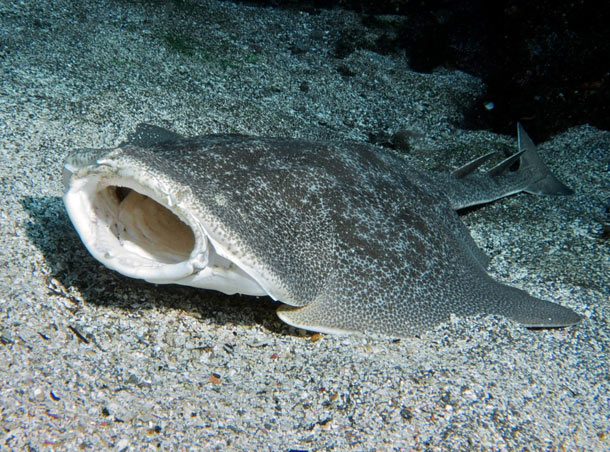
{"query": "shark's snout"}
(80, 159)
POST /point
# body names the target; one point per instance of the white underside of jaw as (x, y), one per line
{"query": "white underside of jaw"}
(129, 228)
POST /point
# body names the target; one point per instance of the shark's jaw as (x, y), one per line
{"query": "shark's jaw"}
(133, 226)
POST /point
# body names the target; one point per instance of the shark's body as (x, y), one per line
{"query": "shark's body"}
(349, 236)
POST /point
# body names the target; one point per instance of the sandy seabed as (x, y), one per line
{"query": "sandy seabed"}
(91, 360)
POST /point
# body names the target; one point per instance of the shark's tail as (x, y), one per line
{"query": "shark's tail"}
(470, 187)
(543, 182)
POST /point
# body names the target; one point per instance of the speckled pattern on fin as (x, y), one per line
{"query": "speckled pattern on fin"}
(339, 311)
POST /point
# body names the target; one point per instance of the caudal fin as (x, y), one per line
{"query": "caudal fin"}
(467, 187)
(543, 182)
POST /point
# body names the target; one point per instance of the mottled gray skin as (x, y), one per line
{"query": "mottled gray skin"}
(361, 239)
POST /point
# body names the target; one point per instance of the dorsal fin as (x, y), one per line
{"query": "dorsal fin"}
(469, 167)
(505, 164)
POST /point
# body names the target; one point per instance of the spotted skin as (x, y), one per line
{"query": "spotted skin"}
(357, 237)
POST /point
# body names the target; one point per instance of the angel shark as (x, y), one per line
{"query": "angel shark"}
(350, 237)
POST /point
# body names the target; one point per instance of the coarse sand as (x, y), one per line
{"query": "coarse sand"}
(91, 360)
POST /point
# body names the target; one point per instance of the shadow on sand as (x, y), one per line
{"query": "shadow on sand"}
(51, 231)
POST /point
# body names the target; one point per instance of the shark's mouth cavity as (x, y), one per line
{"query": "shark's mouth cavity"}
(147, 228)
(142, 232)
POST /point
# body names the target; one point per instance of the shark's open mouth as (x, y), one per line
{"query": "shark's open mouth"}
(145, 227)
(132, 228)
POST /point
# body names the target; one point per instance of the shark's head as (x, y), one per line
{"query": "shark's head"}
(142, 224)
